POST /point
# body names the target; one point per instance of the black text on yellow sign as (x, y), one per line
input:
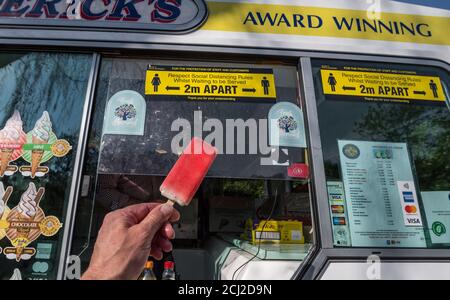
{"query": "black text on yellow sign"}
(382, 85)
(210, 83)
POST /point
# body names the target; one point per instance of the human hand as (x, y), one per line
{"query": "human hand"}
(127, 237)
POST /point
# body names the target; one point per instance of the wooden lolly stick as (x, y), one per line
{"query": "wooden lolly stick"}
(170, 202)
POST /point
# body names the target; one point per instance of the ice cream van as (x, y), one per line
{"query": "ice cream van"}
(331, 120)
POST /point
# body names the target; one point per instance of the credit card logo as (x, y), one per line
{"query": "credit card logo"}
(337, 209)
(408, 197)
(411, 209)
(339, 221)
(413, 221)
(336, 196)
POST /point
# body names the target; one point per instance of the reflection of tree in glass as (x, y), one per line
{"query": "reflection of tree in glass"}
(287, 123)
(425, 129)
(253, 188)
(126, 111)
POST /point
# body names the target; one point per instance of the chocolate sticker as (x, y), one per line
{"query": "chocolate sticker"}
(26, 222)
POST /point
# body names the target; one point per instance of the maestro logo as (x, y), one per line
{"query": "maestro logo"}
(40, 267)
(351, 151)
(130, 15)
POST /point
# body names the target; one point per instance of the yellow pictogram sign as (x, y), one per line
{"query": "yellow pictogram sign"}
(382, 85)
(210, 83)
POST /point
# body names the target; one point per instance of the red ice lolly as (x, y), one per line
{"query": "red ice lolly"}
(188, 172)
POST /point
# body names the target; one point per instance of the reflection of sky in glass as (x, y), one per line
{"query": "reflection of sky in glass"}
(423, 126)
(445, 4)
(39, 81)
(151, 153)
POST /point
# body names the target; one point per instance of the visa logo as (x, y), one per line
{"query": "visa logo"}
(413, 220)
(336, 197)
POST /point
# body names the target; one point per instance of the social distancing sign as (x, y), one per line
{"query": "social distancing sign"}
(210, 83)
(379, 85)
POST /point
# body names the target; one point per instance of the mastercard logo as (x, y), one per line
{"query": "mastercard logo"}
(410, 209)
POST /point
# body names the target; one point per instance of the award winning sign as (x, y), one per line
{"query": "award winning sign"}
(385, 85)
(152, 15)
(210, 83)
(295, 20)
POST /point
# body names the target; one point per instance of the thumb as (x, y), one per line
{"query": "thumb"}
(153, 222)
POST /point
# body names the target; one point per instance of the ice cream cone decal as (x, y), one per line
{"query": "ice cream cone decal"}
(41, 145)
(12, 139)
(27, 222)
(4, 210)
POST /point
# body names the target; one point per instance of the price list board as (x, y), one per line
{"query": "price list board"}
(381, 198)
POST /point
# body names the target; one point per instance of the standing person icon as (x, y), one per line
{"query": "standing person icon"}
(156, 82)
(332, 82)
(265, 84)
(434, 88)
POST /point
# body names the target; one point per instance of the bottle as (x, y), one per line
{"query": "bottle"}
(147, 273)
(169, 273)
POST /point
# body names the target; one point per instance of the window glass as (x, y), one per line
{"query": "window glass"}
(385, 132)
(41, 101)
(249, 181)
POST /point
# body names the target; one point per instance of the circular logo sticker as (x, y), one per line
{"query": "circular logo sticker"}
(438, 228)
(351, 151)
(40, 267)
(50, 226)
(60, 148)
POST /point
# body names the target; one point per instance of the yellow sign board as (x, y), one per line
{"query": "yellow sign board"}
(297, 20)
(210, 83)
(382, 85)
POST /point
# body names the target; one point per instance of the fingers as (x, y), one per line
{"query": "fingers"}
(159, 245)
(162, 243)
(156, 253)
(137, 212)
(175, 216)
(167, 231)
(153, 222)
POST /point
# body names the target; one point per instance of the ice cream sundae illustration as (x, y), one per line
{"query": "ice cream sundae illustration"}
(40, 136)
(42, 144)
(12, 139)
(26, 222)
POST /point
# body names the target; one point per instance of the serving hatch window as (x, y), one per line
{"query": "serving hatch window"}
(385, 132)
(146, 113)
